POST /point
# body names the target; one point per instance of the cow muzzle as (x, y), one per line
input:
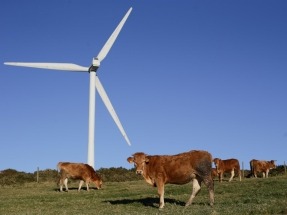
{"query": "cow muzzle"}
(139, 172)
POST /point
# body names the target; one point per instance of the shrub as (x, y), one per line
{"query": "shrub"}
(279, 170)
(47, 175)
(13, 177)
(119, 174)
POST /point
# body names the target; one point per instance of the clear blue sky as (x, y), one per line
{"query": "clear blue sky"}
(182, 75)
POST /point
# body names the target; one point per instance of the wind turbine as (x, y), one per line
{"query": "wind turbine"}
(95, 84)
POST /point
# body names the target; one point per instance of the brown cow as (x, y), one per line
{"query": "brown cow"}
(176, 169)
(230, 165)
(261, 166)
(214, 173)
(80, 171)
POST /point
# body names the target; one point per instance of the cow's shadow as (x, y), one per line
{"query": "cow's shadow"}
(149, 201)
(75, 189)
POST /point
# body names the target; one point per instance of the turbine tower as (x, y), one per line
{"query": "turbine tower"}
(95, 84)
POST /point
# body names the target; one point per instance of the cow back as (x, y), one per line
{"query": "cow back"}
(261, 165)
(180, 168)
(79, 171)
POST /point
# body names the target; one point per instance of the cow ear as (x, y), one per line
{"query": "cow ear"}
(130, 159)
(146, 159)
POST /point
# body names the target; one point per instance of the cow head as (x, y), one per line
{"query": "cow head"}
(272, 164)
(140, 160)
(216, 162)
(97, 180)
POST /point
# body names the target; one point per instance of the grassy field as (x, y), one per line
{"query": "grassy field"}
(251, 196)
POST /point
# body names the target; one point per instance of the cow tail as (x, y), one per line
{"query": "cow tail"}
(59, 166)
(251, 167)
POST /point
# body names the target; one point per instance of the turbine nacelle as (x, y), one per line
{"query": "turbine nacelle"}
(96, 62)
(95, 65)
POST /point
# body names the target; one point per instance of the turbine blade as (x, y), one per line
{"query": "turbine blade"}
(106, 48)
(54, 66)
(110, 108)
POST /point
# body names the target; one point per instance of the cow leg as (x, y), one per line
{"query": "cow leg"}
(263, 174)
(87, 184)
(60, 181)
(267, 172)
(66, 184)
(210, 185)
(61, 184)
(239, 174)
(196, 185)
(160, 190)
(220, 176)
(80, 185)
(232, 175)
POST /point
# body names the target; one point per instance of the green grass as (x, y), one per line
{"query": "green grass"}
(251, 196)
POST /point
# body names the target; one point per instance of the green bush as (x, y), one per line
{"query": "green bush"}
(279, 170)
(119, 174)
(13, 177)
(46, 175)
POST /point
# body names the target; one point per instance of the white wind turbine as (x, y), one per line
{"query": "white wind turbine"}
(94, 84)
